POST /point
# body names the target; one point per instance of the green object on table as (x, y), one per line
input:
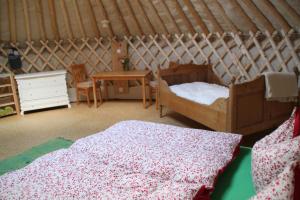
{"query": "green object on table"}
(236, 181)
(126, 64)
(25, 158)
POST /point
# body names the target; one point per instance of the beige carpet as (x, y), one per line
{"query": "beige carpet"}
(19, 133)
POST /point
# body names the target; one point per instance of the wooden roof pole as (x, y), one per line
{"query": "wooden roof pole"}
(102, 10)
(132, 13)
(115, 3)
(93, 19)
(0, 29)
(247, 19)
(40, 18)
(288, 12)
(12, 21)
(160, 19)
(195, 15)
(145, 16)
(211, 17)
(256, 16)
(273, 15)
(26, 19)
(66, 18)
(53, 19)
(79, 19)
(225, 17)
(171, 16)
(182, 15)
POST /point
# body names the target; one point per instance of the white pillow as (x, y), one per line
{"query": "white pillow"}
(271, 154)
(269, 162)
(282, 187)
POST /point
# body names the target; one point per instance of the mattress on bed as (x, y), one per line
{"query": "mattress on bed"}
(200, 92)
(130, 160)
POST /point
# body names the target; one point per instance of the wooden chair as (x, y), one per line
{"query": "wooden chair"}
(154, 85)
(83, 85)
(154, 90)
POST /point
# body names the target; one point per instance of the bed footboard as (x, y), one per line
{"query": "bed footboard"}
(249, 112)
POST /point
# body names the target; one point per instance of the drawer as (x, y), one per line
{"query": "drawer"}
(49, 105)
(41, 82)
(44, 103)
(42, 93)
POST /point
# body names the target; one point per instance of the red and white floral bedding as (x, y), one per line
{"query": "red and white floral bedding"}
(130, 160)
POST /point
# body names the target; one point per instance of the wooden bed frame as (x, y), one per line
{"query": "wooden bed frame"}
(245, 111)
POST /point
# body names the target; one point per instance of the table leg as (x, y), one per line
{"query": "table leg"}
(144, 92)
(95, 93)
(106, 89)
(100, 94)
(87, 92)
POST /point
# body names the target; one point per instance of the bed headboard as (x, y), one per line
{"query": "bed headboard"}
(186, 73)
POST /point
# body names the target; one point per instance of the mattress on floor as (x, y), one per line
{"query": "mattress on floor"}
(234, 183)
(130, 160)
(200, 92)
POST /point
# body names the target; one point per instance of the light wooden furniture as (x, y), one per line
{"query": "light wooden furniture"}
(42, 90)
(143, 76)
(246, 110)
(8, 95)
(82, 84)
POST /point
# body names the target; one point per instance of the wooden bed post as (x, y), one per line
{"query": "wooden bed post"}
(231, 108)
(296, 70)
(159, 83)
(297, 73)
(232, 81)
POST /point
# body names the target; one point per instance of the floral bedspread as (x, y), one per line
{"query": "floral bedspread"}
(130, 160)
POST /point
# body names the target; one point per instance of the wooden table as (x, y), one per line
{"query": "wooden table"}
(143, 76)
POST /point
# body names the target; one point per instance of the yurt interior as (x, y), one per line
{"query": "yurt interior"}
(150, 99)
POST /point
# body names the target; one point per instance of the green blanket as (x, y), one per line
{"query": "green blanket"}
(234, 184)
(23, 159)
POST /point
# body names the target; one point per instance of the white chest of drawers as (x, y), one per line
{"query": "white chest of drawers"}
(42, 90)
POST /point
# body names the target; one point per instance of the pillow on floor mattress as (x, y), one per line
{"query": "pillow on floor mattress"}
(272, 155)
(282, 187)
(130, 160)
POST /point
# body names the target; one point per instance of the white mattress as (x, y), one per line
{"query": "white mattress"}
(200, 92)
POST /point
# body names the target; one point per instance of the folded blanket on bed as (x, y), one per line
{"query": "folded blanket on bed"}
(130, 160)
(281, 86)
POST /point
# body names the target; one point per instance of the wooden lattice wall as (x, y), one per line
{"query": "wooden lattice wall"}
(244, 56)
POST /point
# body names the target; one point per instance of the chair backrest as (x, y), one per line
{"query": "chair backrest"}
(79, 73)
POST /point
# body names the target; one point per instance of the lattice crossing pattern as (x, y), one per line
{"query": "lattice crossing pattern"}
(231, 54)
